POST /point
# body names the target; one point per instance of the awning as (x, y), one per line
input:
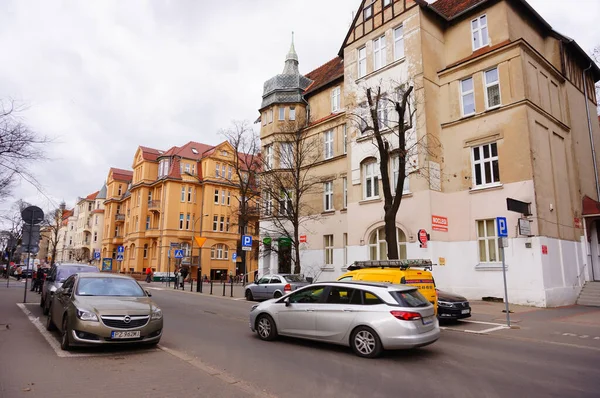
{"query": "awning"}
(590, 207)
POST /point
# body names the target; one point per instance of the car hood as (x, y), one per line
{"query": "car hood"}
(450, 297)
(117, 305)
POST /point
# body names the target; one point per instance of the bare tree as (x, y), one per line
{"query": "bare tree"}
(290, 184)
(389, 118)
(52, 225)
(19, 146)
(13, 227)
(246, 166)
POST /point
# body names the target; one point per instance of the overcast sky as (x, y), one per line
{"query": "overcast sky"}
(103, 77)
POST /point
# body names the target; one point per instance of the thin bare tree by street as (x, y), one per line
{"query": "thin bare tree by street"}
(19, 148)
(388, 115)
(52, 225)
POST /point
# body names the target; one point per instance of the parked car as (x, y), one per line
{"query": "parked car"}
(452, 306)
(274, 286)
(101, 308)
(56, 276)
(369, 317)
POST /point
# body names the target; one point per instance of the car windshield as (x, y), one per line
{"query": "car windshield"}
(410, 298)
(109, 287)
(65, 272)
(294, 278)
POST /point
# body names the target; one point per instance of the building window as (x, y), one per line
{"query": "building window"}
(268, 204)
(146, 250)
(148, 222)
(215, 222)
(292, 113)
(345, 243)
(228, 198)
(395, 172)
(183, 194)
(335, 99)
(286, 155)
(492, 88)
(328, 196)
(229, 172)
(227, 225)
(95, 220)
(328, 144)
(95, 236)
(362, 62)
(269, 156)
(116, 232)
(467, 97)
(187, 221)
(368, 12)
(223, 197)
(345, 182)
(379, 53)
(219, 252)
(271, 115)
(328, 245)
(345, 135)
(371, 182)
(223, 167)
(187, 167)
(285, 202)
(193, 169)
(180, 220)
(264, 118)
(217, 169)
(485, 165)
(479, 32)
(216, 196)
(281, 113)
(382, 113)
(378, 245)
(189, 194)
(222, 224)
(488, 241)
(387, 2)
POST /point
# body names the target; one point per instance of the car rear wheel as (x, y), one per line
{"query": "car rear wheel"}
(249, 295)
(277, 295)
(266, 328)
(42, 301)
(49, 322)
(65, 341)
(365, 342)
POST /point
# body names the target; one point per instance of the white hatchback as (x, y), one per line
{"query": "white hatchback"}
(369, 317)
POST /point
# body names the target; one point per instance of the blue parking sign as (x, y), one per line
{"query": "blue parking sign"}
(502, 227)
(246, 241)
(96, 255)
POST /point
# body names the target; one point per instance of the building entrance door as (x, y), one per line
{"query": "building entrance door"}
(595, 251)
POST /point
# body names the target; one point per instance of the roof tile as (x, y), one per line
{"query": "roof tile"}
(325, 73)
(451, 8)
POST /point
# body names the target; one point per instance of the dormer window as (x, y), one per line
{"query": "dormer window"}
(292, 113)
(224, 153)
(368, 12)
(479, 32)
(194, 151)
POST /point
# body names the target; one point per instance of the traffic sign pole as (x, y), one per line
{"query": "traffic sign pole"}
(503, 234)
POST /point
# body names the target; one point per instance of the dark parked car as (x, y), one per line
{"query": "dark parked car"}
(452, 306)
(55, 278)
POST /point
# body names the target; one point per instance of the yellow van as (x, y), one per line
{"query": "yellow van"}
(416, 273)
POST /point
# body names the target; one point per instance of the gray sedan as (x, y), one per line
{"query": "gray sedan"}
(368, 317)
(274, 286)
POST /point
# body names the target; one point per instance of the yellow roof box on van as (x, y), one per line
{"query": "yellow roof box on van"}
(401, 264)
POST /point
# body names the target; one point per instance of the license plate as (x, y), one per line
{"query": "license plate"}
(465, 311)
(125, 335)
(427, 320)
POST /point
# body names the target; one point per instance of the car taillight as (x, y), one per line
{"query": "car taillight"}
(406, 315)
(287, 288)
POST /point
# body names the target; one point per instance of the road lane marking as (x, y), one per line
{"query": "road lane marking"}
(481, 322)
(218, 374)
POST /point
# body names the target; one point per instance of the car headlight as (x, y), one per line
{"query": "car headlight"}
(86, 315)
(445, 304)
(156, 314)
(255, 306)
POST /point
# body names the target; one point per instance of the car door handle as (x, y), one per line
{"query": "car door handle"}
(310, 310)
(348, 310)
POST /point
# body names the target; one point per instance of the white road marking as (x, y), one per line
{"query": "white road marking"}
(494, 329)
(481, 322)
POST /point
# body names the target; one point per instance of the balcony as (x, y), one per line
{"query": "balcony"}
(152, 233)
(117, 239)
(154, 205)
(119, 218)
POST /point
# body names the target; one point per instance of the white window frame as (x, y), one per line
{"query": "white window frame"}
(383, 113)
(216, 196)
(147, 222)
(286, 156)
(281, 113)
(223, 170)
(189, 195)
(217, 169)
(481, 165)
(285, 202)
(292, 113)
(345, 134)
(268, 204)
(187, 167)
(181, 218)
(395, 159)
(215, 223)
(182, 193)
(328, 144)
(345, 244)
(345, 197)
(368, 12)
(387, 2)
(328, 250)
(228, 198)
(264, 117)
(335, 99)
(362, 62)
(269, 156)
(379, 55)
(478, 32)
(380, 243)
(398, 41)
(187, 221)
(489, 85)
(487, 237)
(229, 172)
(222, 224)
(328, 196)
(271, 115)
(223, 197)
(370, 173)
(463, 94)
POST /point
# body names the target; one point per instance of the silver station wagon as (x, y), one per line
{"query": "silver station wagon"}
(368, 317)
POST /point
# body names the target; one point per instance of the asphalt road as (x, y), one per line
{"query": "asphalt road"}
(215, 330)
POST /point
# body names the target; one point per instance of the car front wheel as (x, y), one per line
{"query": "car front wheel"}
(277, 295)
(365, 342)
(49, 322)
(266, 328)
(65, 341)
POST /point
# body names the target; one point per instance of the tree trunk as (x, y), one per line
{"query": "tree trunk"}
(390, 235)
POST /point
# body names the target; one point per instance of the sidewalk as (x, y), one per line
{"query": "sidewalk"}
(31, 368)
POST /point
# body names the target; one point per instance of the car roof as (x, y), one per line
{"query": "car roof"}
(380, 285)
(104, 275)
(75, 265)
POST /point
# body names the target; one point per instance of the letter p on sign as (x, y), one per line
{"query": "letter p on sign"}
(502, 227)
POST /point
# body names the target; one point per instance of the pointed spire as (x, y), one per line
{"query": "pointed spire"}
(291, 61)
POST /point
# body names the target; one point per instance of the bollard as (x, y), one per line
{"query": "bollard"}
(231, 288)
(223, 288)
(191, 284)
(201, 282)
(211, 286)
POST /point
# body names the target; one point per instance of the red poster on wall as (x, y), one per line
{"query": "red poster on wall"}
(544, 249)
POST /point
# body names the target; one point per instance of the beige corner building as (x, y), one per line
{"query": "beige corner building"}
(170, 197)
(505, 96)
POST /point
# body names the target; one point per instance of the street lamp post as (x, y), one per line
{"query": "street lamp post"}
(199, 269)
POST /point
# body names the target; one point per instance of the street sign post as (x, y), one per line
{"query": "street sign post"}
(502, 226)
(178, 253)
(96, 255)
(32, 216)
(234, 257)
(246, 242)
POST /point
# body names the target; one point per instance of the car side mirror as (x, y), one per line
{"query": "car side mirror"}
(287, 302)
(148, 293)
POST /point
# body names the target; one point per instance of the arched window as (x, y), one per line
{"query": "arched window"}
(132, 251)
(146, 250)
(378, 245)
(219, 252)
(370, 179)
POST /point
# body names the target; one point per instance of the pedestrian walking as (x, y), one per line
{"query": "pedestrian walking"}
(176, 282)
(148, 275)
(183, 273)
(19, 272)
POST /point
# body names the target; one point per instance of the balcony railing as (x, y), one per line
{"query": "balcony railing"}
(119, 217)
(154, 205)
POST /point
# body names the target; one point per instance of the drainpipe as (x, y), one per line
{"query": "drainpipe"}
(587, 110)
